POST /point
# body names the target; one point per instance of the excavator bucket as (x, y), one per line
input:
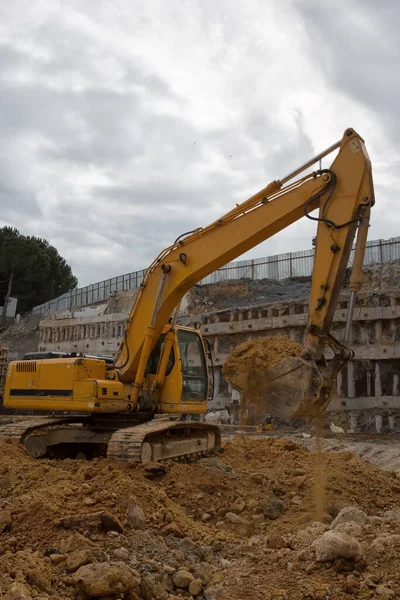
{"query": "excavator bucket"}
(288, 390)
(282, 386)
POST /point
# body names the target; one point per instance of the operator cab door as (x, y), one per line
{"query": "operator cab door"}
(185, 388)
(194, 366)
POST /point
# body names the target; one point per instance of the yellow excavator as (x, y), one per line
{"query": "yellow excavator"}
(161, 368)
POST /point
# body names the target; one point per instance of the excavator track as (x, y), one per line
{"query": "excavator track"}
(18, 428)
(155, 440)
(165, 440)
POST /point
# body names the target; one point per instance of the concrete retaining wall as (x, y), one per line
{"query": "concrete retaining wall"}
(370, 381)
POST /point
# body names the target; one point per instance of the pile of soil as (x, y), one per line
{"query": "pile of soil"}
(255, 357)
(238, 526)
(246, 369)
(246, 292)
(376, 278)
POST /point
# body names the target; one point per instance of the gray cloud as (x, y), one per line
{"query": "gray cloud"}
(358, 50)
(122, 127)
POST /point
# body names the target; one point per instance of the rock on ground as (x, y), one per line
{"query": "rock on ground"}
(213, 593)
(167, 583)
(332, 545)
(384, 592)
(19, 591)
(350, 528)
(311, 533)
(108, 521)
(136, 518)
(147, 587)
(182, 578)
(111, 523)
(391, 515)
(195, 587)
(234, 518)
(121, 553)
(78, 559)
(384, 542)
(172, 529)
(350, 513)
(107, 579)
(272, 508)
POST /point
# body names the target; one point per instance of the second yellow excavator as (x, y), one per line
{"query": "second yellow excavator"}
(161, 368)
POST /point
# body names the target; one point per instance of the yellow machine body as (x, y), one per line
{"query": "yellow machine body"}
(72, 384)
(82, 384)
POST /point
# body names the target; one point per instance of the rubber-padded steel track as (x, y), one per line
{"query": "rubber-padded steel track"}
(127, 444)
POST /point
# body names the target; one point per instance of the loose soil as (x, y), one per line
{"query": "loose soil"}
(263, 551)
(246, 369)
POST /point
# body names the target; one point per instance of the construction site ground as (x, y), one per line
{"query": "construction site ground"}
(238, 526)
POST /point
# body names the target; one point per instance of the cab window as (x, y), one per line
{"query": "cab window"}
(194, 369)
(154, 358)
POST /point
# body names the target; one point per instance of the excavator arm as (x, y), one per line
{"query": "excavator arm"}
(343, 194)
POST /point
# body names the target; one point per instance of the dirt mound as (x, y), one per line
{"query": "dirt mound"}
(246, 292)
(257, 356)
(381, 277)
(246, 370)
(235, 293)
(238, 526)
(349, 478)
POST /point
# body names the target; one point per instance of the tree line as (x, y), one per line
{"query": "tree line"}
(31, 270)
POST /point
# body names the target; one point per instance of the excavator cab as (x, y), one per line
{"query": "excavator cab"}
(185, 384)
(194, 366)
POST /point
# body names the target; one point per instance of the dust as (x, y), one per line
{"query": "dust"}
(319, 475)
(241, 523)
(246, 370)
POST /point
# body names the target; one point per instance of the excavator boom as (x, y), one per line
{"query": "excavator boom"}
(343, 195)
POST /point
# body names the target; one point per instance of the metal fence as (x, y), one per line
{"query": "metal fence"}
(280, 266)
(91, 294)
(298, 264)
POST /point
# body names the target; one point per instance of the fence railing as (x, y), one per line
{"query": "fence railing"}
(280, 266)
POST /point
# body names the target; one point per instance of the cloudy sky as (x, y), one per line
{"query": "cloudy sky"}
(125, 123)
